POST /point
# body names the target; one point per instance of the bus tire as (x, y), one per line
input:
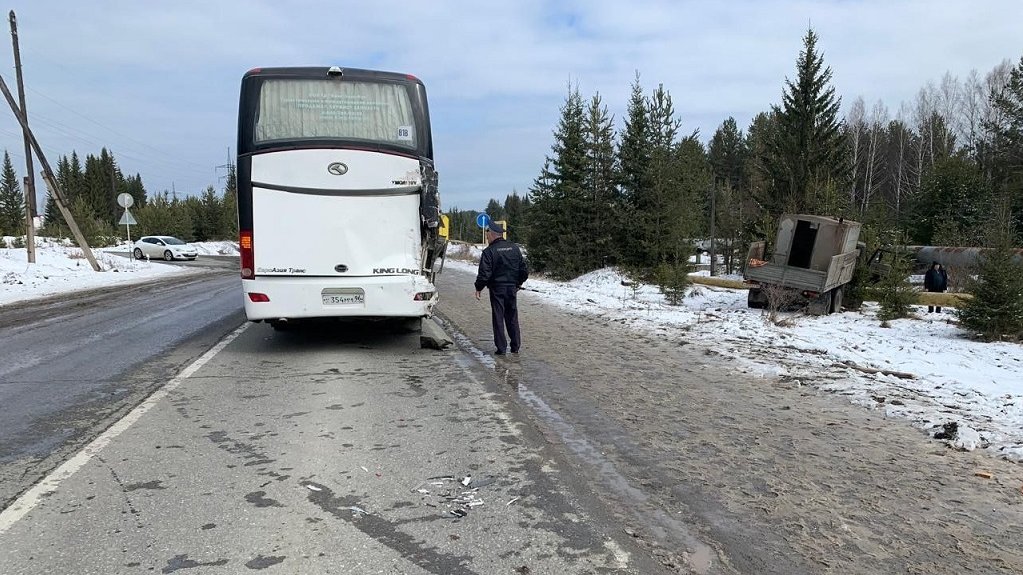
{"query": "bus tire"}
(281, 326)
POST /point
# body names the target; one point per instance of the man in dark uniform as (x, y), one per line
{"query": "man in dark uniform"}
(936, 281)
(502, 270)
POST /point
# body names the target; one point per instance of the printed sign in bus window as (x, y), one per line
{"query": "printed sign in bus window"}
(327, 109)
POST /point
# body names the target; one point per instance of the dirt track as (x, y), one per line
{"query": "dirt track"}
(723, 472)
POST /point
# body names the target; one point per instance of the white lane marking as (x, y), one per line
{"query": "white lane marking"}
(49, 484)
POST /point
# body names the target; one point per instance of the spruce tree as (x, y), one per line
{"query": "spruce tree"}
(52, 216)
(895, 293)
(727, 155)
(634, 152)
(229, 215)
(557, 196)
(953, 196)
(1007, 145)
(807, 153)
(515, 207)
(599, 209)
(207, 215)
(996, 309)
(495, 210)
(656, 217)
(12, 201)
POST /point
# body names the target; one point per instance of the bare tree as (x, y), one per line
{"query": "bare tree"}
(874, 161)
(901, 161)
(856, 127)
(973, 96)
(947, 105)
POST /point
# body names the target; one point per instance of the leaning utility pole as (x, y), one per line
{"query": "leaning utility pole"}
(51, 181)
(30, 189)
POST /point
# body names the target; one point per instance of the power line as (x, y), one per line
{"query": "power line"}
(109, 129)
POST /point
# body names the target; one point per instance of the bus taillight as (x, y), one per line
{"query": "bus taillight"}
(245, 244)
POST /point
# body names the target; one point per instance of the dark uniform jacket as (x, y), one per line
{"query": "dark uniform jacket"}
(502, 263)
(936, 280)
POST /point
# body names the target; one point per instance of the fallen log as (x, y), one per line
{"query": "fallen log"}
(873, 371)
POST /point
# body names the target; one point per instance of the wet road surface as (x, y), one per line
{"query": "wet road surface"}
(70, 366)
(333, 450)
(720, 471)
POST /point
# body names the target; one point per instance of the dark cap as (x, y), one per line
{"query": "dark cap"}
(495, 227)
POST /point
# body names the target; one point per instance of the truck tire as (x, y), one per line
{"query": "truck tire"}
(821, 305)
(755, 299)
(836, 300)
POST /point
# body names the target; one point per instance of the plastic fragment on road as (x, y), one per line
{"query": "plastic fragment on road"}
(467, 480)
(313, 488)
(482, 482)
(358, 510)
(514, 499)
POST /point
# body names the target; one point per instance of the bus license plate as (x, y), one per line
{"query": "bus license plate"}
(344, 299)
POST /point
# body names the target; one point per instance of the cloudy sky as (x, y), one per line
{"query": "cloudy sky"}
(157, 82)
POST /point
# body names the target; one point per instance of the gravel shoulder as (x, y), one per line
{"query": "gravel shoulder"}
(721, 471)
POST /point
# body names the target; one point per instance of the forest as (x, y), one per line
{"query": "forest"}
(944, 169)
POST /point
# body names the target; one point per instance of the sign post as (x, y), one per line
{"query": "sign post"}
(125, 200)
(483, 220)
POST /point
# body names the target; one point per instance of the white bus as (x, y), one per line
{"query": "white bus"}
(338, 208)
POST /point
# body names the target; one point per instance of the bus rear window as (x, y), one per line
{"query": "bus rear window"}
(374, 112)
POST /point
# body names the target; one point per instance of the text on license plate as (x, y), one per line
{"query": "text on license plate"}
(344, 299)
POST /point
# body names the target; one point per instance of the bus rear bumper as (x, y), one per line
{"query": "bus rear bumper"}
(275, 298)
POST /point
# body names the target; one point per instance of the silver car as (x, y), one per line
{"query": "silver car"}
(165, 247)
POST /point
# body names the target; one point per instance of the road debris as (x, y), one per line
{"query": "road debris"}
(948, 431)
(456, 494)
(983, 474)
(482, 482)
(514, 499)
(433, 337)
(313, 487)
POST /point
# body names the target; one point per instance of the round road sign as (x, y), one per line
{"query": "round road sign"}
(483, 220)
(125, 200)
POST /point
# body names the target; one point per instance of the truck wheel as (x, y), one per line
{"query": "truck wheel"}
(836, 300)
(821, 305)
(755, 299)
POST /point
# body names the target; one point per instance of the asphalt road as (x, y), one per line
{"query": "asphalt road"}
(344, 449)
(71, 365)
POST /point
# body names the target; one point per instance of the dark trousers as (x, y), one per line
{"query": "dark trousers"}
(504, 312)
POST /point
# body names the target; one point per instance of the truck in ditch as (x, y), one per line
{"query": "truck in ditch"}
(812, 261)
